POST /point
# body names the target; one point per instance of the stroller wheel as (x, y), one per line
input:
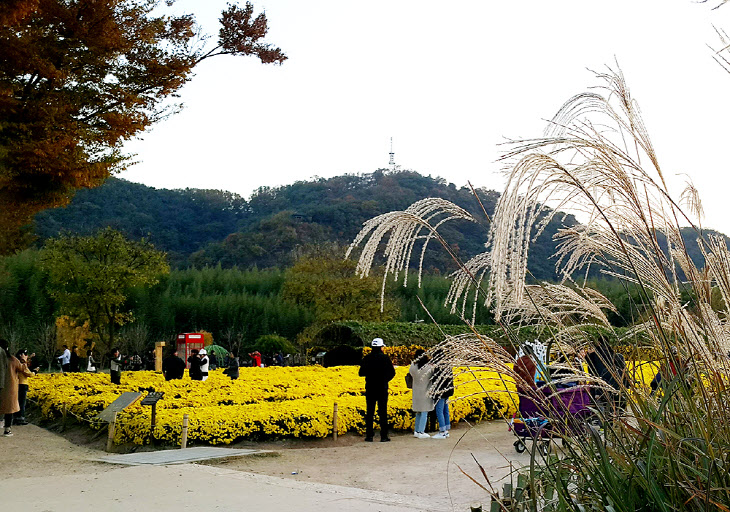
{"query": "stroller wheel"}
(545, 448)
(519, 446)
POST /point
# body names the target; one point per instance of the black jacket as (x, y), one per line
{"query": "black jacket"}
(378, 370)
(173, 367)
(232, 370)
(606, 364)
(443, 378)
(195, 372)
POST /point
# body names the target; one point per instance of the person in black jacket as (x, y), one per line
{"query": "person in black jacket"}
(232, 370)
(378, 370)
(74, 360)
(196, 373)
(610, 367)
(115, 366)
(173, 367)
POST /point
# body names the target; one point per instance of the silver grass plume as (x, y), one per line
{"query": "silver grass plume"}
(419, 222)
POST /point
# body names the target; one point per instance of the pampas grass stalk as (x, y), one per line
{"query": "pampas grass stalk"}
(667, 450)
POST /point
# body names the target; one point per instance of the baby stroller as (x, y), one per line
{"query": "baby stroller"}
(531, 423)
(568, 413)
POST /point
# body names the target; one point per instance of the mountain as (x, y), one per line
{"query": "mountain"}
(207, 227)
(179, 222)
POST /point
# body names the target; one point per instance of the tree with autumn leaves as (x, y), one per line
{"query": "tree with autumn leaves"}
(80, 77)
(91, 276)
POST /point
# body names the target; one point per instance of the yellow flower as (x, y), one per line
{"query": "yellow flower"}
(263, 403)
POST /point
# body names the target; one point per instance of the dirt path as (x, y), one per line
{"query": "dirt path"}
(408, 466)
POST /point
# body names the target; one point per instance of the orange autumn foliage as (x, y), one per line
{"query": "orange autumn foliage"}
(80, 77)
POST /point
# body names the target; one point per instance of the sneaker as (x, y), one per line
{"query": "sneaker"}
(20, 422)
(441, 435)
(369, 439)
(422, 435)
(384, 439)
(8, 434)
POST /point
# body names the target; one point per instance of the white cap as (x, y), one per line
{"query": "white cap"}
(202, 352)
(378, 342)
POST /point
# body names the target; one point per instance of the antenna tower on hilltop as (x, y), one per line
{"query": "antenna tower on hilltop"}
(391, 163)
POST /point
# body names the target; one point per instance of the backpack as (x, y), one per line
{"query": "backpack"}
(409, 381)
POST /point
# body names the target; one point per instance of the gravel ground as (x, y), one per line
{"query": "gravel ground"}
(407, 466)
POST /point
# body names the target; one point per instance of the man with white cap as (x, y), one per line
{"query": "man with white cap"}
(378, 370)
(204, 362)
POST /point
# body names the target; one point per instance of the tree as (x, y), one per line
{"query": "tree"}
(327, 284)
(79, 77)
(272, 344)
(91, 276)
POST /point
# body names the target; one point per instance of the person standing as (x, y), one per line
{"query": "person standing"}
(173, 367)
(25, 372)
(204, 363)
(607, 365)
(90, 362)
(378, 370)
(195, 372)
(232, 370)
(115, 367)
(422, 403)
(65, 359)
(443, 383)
(74, 359)
(3, 363)
(256, 356)
(213, 361)
(9, 392)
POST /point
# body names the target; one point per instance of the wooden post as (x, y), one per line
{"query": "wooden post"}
(184, 438)
(63, 417)
(154, 421)
(334, 423)
(112, 428)
(158, 355)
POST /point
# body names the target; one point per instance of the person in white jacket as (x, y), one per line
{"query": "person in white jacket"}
(422, 403)
(204, 363)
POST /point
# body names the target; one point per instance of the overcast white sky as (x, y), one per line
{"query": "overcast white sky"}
(448, 81)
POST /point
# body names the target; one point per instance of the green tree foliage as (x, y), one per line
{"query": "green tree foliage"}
(338, 207)
(90, 277)
(327, 285)
(269, 243)
(179, 222)
(432, 292)
(79, 77)
(236, 306)
(26, 310)
(273, 343)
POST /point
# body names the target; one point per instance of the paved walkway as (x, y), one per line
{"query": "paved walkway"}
(167, 457)
(197, 487)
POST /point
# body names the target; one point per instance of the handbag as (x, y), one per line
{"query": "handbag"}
(409, 381)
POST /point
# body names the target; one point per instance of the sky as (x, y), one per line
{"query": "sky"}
(449, 82)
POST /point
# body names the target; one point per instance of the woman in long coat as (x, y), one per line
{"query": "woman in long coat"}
(9, 392)
(422, 403)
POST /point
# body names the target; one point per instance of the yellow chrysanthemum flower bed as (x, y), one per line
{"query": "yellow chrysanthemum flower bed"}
(272, 402)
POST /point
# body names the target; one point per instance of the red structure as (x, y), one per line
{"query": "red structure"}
(187, 342)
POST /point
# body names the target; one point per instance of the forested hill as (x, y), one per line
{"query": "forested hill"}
(207, 227)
